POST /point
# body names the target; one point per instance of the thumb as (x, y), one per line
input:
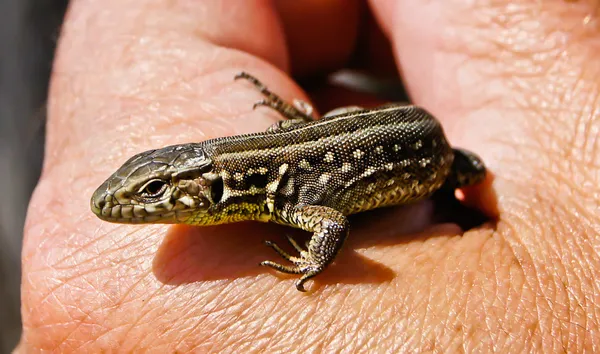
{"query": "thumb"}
(517, 82)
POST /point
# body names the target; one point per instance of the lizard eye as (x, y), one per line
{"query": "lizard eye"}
(154, 188)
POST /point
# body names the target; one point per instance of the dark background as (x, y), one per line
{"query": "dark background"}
(28, 33)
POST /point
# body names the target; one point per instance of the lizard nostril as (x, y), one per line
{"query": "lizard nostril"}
(98, 202)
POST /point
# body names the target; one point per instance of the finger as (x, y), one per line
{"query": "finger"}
(517, 83)
(320, 35)
(324, 36)
(159, 64)
(485, 69)
(131, 76)
(499, 76)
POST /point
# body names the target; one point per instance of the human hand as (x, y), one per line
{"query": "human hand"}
(515, 82)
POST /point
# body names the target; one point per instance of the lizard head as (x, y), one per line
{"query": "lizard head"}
(167, 185)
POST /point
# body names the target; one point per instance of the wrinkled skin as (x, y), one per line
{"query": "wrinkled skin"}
(515, 82)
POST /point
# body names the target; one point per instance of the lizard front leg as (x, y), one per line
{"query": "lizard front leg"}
(330, 229)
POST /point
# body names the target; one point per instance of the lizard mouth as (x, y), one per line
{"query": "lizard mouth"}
(170, 217)
(135, 214)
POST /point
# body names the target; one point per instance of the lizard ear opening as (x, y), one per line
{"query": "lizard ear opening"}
(216, 190)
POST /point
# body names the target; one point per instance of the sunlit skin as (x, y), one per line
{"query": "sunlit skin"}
(516, 82)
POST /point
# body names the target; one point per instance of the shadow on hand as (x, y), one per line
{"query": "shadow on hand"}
(191, 254)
